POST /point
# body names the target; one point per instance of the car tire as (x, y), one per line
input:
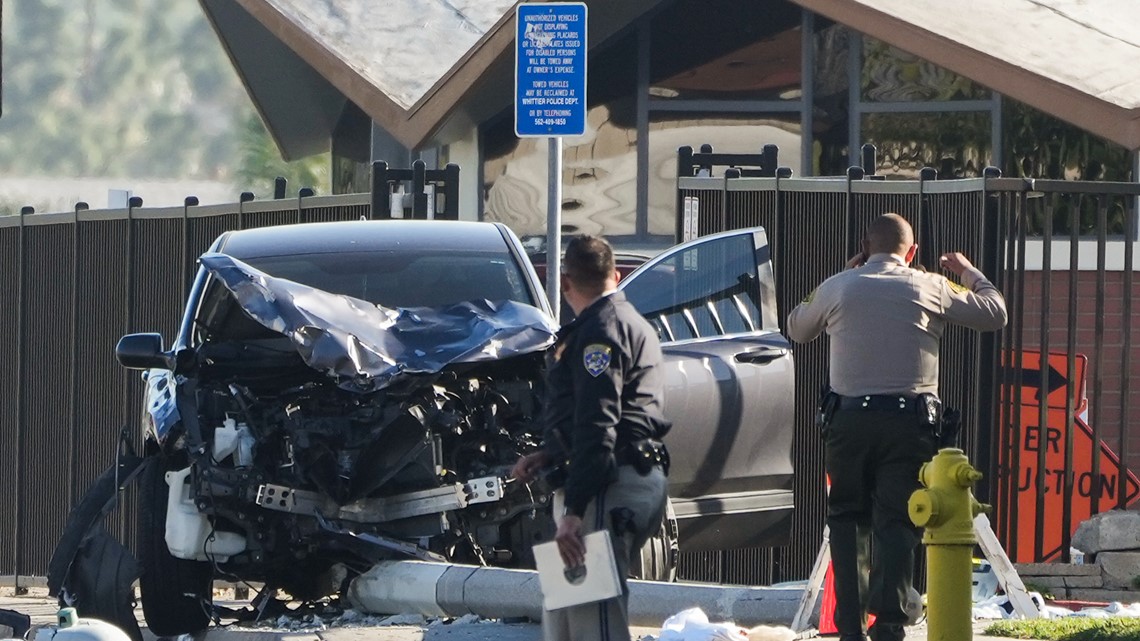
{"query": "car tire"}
(90, 570)
(174, 592)
(658, 558)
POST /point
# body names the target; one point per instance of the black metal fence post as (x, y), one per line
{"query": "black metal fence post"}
(419, 184)
(21, 374)
(989, 348)
(187, 203)
(451, 191)
(245, 197)
(849, 224)
(869, 160)
(1125, 364)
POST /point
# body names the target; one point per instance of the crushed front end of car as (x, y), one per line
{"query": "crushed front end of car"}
(307, 435)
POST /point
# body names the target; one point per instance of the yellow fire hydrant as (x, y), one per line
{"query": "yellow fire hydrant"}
(946, 509)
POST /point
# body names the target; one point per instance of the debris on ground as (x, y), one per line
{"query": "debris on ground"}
(694, 625)
(998, 607)
(349, 618)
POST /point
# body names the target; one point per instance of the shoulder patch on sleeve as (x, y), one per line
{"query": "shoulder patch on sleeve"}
(957, 287)
(807, 299)
(596, 357)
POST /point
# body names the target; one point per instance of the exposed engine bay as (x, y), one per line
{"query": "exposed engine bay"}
(299, 436)
(344, 432)
(415, 470)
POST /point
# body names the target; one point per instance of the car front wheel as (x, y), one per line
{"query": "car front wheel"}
(175, 592)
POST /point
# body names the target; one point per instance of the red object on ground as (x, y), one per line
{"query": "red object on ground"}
(1077, 606)
(827, 606)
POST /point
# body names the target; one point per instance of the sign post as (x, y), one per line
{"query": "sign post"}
(550, 102)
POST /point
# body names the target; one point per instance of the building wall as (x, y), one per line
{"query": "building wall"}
(1111, 356)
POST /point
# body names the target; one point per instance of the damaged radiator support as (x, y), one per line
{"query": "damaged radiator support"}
(457, 496)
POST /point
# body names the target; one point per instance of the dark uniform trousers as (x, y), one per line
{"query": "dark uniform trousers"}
(631, 508)
(873, 459)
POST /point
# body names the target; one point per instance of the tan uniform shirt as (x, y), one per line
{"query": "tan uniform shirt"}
(885, 321)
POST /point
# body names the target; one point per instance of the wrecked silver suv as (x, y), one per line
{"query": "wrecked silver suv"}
(344, 393)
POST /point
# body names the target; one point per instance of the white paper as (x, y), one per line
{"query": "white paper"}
(600, 582)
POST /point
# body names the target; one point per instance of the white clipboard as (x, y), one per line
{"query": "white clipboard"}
(562, 588)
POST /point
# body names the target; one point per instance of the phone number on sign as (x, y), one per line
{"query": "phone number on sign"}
(550, 121)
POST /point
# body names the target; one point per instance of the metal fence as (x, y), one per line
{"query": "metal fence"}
(75, 282)
(814, 225)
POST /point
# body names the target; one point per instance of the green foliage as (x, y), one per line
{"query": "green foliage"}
(130, 88)
(137, 88)
(1069, 629)
(261, 163)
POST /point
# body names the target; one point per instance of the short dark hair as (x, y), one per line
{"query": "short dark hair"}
(889, 233)
(589, 262)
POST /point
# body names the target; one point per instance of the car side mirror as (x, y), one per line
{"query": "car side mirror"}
(141, 351)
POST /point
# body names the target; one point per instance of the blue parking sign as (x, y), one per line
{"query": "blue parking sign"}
(550, 69)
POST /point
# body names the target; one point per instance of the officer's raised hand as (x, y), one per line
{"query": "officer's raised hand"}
(571, 546)
(955, 262)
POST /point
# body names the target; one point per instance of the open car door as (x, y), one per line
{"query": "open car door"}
(729, 388)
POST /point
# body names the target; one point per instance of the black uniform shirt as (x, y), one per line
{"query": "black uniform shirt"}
(604, 390)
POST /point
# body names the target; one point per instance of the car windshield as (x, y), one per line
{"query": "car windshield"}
(405, 278)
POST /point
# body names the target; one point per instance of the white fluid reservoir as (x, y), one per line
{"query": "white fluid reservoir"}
(189, 534)
(235, 439)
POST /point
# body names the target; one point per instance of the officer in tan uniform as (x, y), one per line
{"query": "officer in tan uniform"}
(885, 320)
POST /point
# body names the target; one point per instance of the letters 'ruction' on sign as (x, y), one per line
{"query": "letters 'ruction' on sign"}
(1047, 381)
(550, 69)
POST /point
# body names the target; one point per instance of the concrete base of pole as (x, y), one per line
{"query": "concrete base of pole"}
(440, 589)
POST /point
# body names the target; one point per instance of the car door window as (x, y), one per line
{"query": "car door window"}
(708, 289)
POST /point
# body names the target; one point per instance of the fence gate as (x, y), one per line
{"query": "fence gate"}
(1076, 312)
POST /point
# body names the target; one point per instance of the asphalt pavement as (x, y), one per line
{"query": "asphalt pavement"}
(359, 627)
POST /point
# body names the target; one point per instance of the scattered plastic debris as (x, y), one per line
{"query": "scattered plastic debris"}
(693, 625)
(998, 607)
(313, 622)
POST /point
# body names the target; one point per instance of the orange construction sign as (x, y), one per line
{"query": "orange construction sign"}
(1049, 384)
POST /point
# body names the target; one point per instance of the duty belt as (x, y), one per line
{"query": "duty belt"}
(644, 455)
(879, 403)
(927, 407)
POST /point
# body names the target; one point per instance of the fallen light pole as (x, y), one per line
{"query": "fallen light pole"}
(441, 589)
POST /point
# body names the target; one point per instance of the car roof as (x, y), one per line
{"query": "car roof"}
(363, 235)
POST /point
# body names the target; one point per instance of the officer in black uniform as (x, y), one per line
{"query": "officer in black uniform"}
(603, 429)
(885, 321)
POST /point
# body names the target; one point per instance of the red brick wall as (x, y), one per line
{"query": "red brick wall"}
(1114, 360)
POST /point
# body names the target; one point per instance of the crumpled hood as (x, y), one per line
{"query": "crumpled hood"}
(369, 347)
